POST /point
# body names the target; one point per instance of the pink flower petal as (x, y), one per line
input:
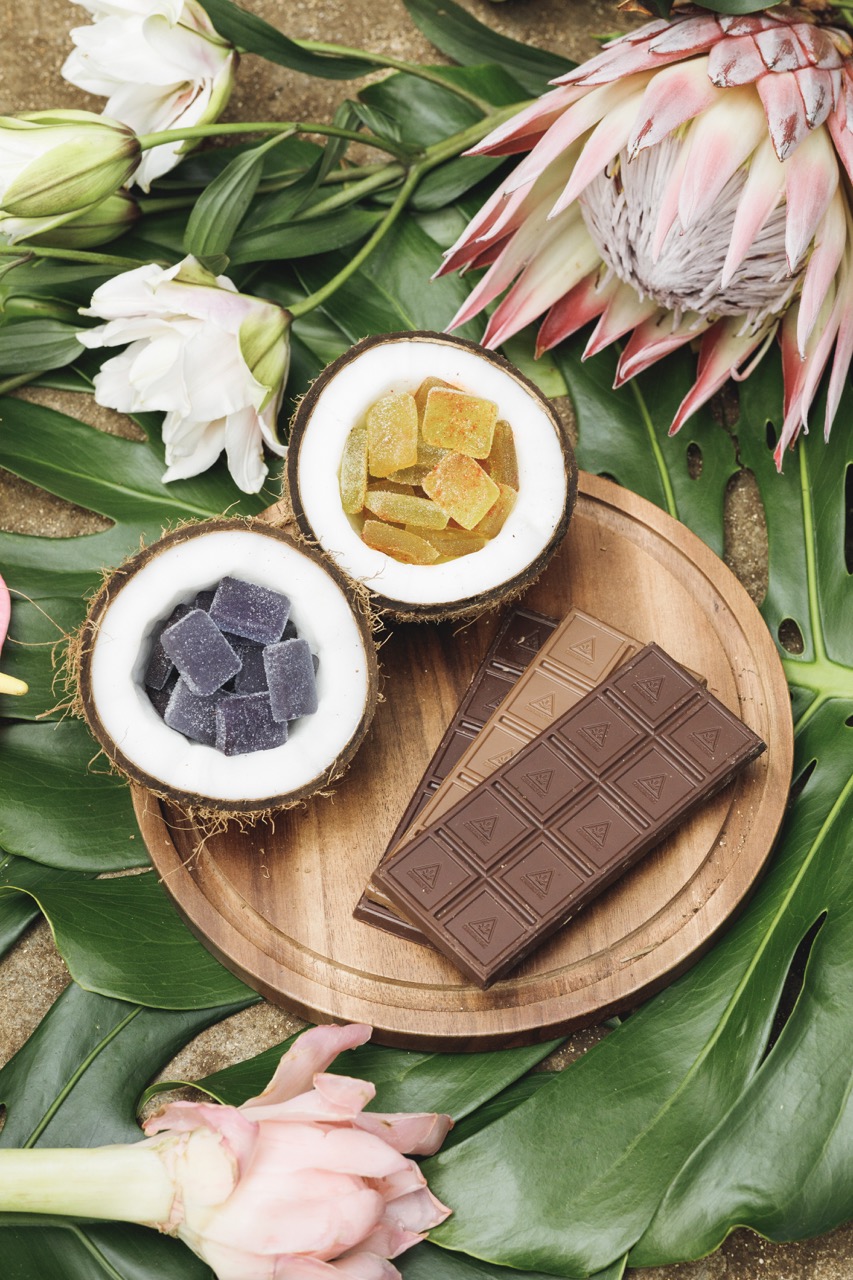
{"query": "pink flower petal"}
(604, 143)
(416, 1134)
(762, 191)
(533, 120)
(653, 340)
(817, 90)
(811, 180)
(830, 244)
(575, 309)
(722, 352)
(780, 49)
(672, 97)
(785, 111)
(365, 1266)
(5, 611)
(720, 141)
(419, 1211)
(624, 311)
(735, 61)
(842, 136)
(314, 1051)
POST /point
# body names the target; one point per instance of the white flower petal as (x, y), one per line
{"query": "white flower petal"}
(244, 450)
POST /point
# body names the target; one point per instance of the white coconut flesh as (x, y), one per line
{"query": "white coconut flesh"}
(321, 615)
(401, 366)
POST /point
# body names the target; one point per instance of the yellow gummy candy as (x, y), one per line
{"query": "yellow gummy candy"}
(354, 471)
(503, 463)
(403, 509)
(399, 543)
(461, 488)
(424, 390)
(451, 543)
(462, 423)
(392, 434)
(494, 519)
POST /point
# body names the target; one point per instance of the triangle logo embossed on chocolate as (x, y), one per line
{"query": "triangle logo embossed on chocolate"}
(651, 786)
(494, 704)
(596, 733)
(483, 827)
(545, 706)
(707, 739)
(540, 780)
(426, 876)
(585, 649)
(532, 643)
(482, 929)
(597, 832)
(650, 688)
(497, 761)
(540, 881)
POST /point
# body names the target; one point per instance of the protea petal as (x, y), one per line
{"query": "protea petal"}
(557, 268)
(780, 49)
(533, 121)
(826, 257)
(624, 311)
(811, 180)
(820, 47)
(764, 188)
(720, 141)
(601, 147)
(674, 96)
(842, 136)
(574, 310)
(840, 376)
(723, 351)
(690, 36)
(785, 110)
(681, 38)
(818, 91)
(654, 339)
(736, 61)
(804, 373)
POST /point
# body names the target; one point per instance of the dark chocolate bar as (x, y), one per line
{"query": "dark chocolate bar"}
(523, 852)
(575, 656)
(520, 636)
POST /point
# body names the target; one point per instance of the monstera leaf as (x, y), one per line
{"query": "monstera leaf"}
(691, 1118)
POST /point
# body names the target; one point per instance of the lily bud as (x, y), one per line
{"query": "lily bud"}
(95, 225)
(59, 162)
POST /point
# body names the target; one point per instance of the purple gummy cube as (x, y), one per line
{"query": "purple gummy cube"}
(201, 653)
(204, 600)
(290, 632)
(159, 698)
(252, 676)
(290, 676)
(160, 665)
(244, 723)
(244, 609)
(191, 715)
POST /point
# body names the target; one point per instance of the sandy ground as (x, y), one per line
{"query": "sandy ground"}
(34, 45)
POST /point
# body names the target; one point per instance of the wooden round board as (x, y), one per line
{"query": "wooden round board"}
(275, 904)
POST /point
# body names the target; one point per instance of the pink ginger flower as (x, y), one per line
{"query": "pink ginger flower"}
(8, 684)
(299, 1183)
(684, 184)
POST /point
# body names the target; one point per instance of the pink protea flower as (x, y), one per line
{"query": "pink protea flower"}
(299, 1183)
(684, 184)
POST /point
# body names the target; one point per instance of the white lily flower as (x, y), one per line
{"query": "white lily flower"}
(160, 64)
(213, 360)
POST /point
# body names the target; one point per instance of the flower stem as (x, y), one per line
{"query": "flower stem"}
(354, 191)
(148, 140)
(71, 255)
(396, 64)
(18, 380)
(127, 1182)
(331, 286)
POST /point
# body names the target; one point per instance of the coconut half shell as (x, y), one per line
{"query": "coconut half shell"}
(339, 399)
(116, 640)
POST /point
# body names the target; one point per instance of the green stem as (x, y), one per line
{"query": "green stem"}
(148, 140)
(459, 142)
(19, 380)
(389, 174)
(71, 255)
(396, 64)
(331, 286)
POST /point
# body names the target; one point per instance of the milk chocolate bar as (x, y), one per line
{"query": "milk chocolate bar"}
(579, 653)
(523, 852)
(520, 637)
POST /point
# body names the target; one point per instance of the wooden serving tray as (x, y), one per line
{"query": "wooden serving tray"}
(275, 903)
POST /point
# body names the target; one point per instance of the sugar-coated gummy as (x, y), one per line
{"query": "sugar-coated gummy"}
(392, 434)
(458, 421)
(461, 488)
(159, 698)
(204, 599)
(191, 715)
(408, 547)
(252, 676)
(354, 471)
(405, 509)
(201, 653)
(290, 676)
(160, 665)
(245, 609)
(244, 723)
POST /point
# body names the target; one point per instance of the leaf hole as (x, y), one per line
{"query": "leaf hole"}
(849, 722)
(799, 784)
(793, 984)
(745, 544)
(790, 636)
(848, 517)
(608, 475)
(770, 435)
(695, 461)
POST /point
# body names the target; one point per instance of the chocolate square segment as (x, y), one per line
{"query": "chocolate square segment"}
(543, 781)
(654, 686)
(598, 733)
(587, 647)
(487, 829)
(708, 737)
(428, 873)
(599, 832)
(654, 784)
(485, 929)
(543, 879)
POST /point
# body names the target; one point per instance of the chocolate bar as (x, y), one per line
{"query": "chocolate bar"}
(579, 653)
(523, 852)
(520, 637)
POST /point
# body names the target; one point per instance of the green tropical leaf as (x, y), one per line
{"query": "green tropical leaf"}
(32, 345)
(67, 1250)
(688, 1119)
(222, 206)
(252, 34)
(455, 32)
(306, 238)
(17, 912)
(123, 938)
